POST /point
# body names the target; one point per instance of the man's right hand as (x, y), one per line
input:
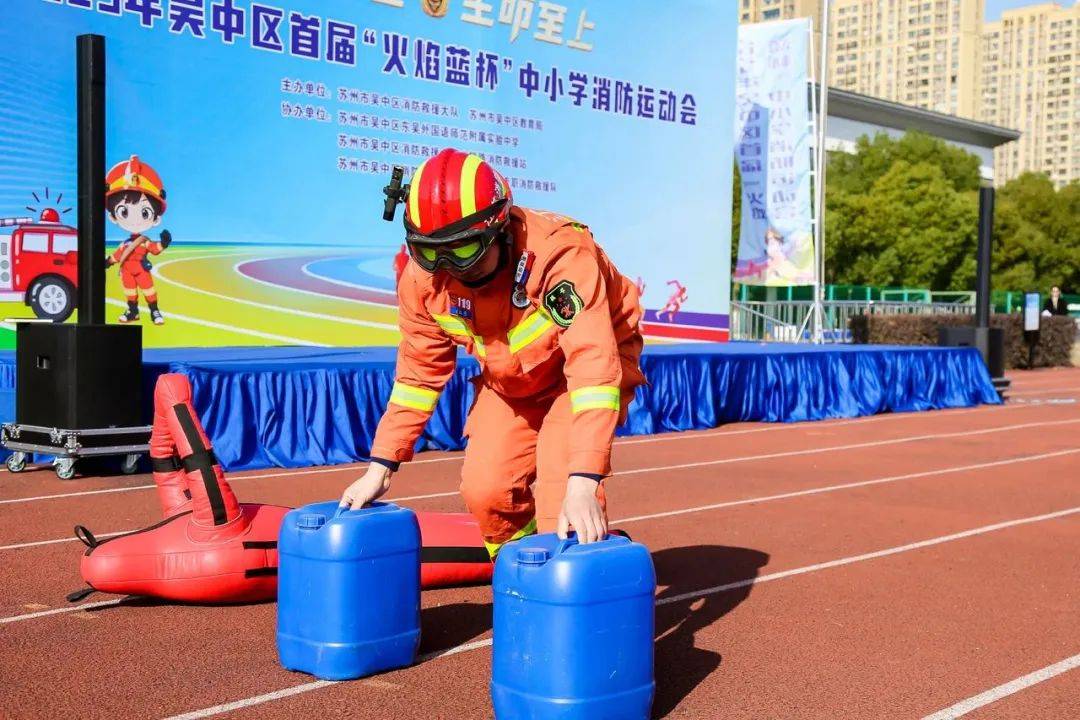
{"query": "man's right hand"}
(372, 486)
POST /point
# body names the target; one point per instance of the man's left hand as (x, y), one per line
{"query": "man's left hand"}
(581, 510)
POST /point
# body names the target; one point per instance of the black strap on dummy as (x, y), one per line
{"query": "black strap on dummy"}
(165, 464)
(91, 542)
(86, 536)
(80, 594)
(477, 555)
(260, 544)
(201, 460)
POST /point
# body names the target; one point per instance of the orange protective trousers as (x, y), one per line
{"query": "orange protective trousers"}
(517, 462)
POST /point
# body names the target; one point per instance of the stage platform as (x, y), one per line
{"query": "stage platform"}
(295, 407)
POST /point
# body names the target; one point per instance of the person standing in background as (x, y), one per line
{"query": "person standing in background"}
(1055, 304)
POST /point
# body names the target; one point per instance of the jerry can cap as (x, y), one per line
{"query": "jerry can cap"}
(533, 556)
(311, 521)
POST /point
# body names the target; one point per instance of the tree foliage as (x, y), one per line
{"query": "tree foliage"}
(904, 212)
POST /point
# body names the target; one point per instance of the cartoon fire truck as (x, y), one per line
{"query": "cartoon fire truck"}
(39, 264)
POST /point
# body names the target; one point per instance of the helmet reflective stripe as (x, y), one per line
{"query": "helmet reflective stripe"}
(468, 185)
(451, 187)
(414, 195)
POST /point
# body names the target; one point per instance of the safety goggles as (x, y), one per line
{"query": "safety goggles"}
(458, 246)
(460, 255)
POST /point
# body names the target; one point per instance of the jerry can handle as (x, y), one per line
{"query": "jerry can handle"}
(342, 509)
(569, 541)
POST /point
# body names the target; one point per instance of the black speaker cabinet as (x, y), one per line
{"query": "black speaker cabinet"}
(989, 341)
(78, 376)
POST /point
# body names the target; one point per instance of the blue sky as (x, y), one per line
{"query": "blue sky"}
(994, 7)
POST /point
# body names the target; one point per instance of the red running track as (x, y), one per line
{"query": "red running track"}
(920, 565)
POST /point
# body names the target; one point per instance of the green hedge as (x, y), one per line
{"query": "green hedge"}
(1055, 340)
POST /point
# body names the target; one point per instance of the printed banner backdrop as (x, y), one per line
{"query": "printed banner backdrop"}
(274, 127)
(774, 140)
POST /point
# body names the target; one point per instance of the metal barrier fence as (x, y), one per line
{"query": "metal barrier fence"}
(789, 320)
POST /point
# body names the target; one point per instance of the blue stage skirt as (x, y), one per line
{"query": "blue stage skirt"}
(295, 407)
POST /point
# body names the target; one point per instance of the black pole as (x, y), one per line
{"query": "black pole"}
(90, 102)
(986, 231)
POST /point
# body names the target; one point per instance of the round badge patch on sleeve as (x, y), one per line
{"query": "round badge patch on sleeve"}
(563, 303)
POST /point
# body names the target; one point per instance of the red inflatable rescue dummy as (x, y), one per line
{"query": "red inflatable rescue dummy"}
(210, 548)
(452, 551)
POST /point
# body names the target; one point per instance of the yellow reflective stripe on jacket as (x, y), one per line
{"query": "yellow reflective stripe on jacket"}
(453, 325)
(416, 398)
(494, 548)
(531, 328)
(597, 397)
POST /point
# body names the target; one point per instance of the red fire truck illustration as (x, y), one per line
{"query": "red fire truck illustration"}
(39, 264)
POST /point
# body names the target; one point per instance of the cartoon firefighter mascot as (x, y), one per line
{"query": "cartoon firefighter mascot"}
(135, 200)
(554, 326)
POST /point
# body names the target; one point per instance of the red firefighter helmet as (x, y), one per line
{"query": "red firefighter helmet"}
(455, 200)
(136, 175)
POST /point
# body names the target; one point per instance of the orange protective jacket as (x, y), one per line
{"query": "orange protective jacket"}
(579, 331)
(134, 262)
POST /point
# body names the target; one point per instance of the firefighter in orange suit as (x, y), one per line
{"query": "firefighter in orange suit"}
(135, 200)
(554, 327)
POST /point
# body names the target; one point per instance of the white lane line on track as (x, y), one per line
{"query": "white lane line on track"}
(854, 446)
(869, 556)
(1047, 391)
(60, 611)
(316, 685)
(702, 508)
(843, 486)
(1005, 689)
(747, 501)
(261, 476)
(664, 437)
(308, 687)
(695, 434)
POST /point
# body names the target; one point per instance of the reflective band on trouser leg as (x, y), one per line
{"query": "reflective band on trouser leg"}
(494, 548)
(598, 397)
(416, 398)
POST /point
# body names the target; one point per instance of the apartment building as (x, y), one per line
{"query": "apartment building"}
(923, 53)
(1022, 71)
(1031, 80)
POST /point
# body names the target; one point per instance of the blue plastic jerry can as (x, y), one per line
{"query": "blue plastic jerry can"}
(573, 632)
(348, 590)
